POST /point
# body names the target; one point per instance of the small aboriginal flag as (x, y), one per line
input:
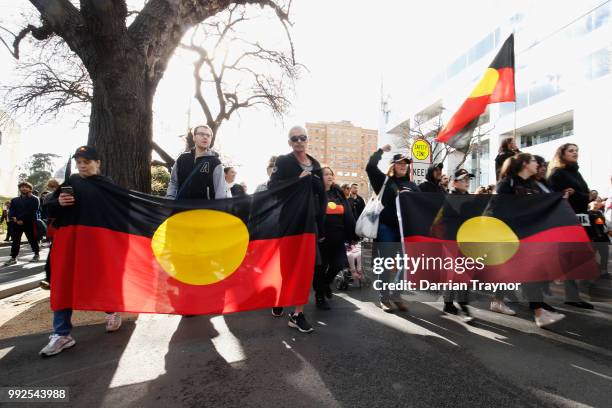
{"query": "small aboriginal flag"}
(119, 250)
(497, 85)
(503, 238)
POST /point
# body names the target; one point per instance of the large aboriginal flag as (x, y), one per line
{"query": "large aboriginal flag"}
(118, 250)
(517, 238)
(497, 85)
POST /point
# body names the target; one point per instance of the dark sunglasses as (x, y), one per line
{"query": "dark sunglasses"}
(301, 138)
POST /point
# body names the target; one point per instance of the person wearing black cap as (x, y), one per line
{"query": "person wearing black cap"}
(62, 203)
(460, 185)
(198, 173)
(433, 178)
(397, 181)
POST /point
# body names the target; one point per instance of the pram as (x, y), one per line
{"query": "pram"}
(354, 273)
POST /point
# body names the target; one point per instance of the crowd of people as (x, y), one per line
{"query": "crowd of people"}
(198, 173)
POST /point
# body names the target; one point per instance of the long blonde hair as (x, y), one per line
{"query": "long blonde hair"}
(557, 161)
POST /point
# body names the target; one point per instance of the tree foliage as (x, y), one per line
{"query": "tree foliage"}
(38, 170)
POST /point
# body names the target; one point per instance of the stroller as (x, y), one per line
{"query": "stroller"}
(354, 273)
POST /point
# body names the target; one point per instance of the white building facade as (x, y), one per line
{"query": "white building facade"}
(563, 86)
(10, 155)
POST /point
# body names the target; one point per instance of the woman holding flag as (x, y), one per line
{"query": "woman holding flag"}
(518, 177)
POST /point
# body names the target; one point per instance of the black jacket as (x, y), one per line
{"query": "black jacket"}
(570, 177)
(81, 187)
(287, 167)
(431, 185)
(501, 158)
(339, 219)
(357, 205)
(395, 185)
(517, 185)
(24, 208)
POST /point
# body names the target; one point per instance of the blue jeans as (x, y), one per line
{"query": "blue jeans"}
(390, 241)
(62, 321)
(62, 324)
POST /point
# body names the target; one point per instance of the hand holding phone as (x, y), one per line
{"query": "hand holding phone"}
(66, 197)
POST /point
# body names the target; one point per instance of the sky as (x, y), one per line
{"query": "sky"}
(349, 49)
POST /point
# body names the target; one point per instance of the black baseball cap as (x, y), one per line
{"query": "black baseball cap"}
(398, 157)
(86, 152)
(462, 173)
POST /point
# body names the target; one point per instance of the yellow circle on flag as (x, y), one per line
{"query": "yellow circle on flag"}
(420, 149)
(200, 247)
(487, 84)
(488, 238)
(331, 205)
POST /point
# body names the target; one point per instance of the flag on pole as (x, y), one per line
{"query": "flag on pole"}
(119, 250)
(496, 85)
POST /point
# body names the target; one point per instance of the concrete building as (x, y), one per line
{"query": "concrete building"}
(563, 86)
(10, 155)
(345, 148)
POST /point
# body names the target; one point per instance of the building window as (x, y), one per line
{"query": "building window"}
(481, 49)
(548, 134)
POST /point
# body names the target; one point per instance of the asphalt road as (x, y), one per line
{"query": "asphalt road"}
(358, 356)
(23, 268)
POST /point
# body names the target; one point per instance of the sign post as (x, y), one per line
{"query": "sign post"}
(421, 159)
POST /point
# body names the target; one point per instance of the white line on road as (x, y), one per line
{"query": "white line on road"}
(592, 372)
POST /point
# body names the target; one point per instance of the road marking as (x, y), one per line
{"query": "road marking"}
(592, 372)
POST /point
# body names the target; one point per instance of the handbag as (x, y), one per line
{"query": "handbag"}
(367, 223)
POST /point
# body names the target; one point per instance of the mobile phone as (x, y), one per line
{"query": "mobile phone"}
(67, 190)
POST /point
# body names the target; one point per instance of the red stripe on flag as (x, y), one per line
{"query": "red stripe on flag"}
(471, 108)
(100, 269)
(504, 90)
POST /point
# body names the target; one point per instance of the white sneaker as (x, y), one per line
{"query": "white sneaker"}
(113, 322)
(56, 344)
(547, 318)
(501, 307)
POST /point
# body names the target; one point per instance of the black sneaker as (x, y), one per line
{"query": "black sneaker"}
(450, 308)
(277, 311)
(322, 304)
(298, 321)
(581, 304)
(328, 292)
(35, 258)
(548, 307)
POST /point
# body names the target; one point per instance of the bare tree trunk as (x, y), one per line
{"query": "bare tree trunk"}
(121, 121)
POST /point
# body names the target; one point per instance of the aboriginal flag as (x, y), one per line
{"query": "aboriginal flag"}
(512, 238)
(497, 85)
(119, 250)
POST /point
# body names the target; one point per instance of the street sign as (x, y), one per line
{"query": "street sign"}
(421, 159)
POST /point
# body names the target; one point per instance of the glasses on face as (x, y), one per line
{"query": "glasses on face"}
(301, 138)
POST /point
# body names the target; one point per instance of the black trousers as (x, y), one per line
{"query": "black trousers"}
(17, 231)
(333, 260)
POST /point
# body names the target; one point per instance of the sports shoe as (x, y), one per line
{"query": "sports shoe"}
(548, 307)
(546, 318)
(298, 321)
(113, 322)
(56, 344)
(581, 304)
(467, 316)
(501, 307)
(450, 308)
(386, 306)
(35, 258)
(10, 262)
(45, 285)
(322, 304)
(277, 311)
